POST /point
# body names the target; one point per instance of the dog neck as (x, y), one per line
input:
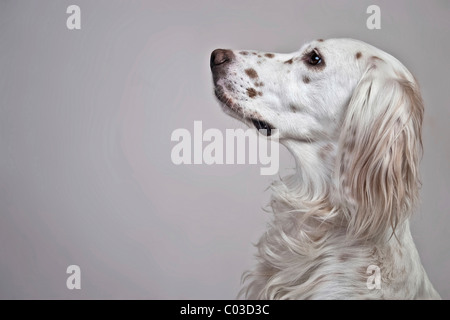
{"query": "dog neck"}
(310, 192)
(314, 168)
(308, 237)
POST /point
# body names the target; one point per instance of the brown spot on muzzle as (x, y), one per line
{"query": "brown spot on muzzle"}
(294, 108)
(229, 87)
(269, 55)
(358, 55)
(289, 61)
(251, 92)
(306, 79)
(251, 73)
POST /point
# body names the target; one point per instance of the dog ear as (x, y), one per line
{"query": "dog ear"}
(379, 151)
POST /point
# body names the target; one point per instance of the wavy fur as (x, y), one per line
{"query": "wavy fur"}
(355, 133)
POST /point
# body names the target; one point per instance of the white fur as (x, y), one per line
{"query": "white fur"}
(353, 125)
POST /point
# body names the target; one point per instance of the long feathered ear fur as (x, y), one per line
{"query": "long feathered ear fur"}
(379, 151)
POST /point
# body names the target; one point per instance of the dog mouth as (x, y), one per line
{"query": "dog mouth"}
(262, 126)
(233, 108)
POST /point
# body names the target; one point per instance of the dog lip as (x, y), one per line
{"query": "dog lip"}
(262, 125)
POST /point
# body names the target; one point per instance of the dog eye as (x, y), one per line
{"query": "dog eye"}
(314, 59)
(261, 125)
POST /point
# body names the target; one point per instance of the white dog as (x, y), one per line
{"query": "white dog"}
(351, 115)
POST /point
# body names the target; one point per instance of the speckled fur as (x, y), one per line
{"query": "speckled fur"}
(353, 124)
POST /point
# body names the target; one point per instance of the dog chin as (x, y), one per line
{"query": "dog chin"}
(228, 104)
(235, 110)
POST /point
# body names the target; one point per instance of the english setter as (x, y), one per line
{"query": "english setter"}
(351, 116)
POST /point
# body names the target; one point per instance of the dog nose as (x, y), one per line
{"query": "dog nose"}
(220, 57)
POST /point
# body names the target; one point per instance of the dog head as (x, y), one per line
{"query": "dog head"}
(348, 111)
(302, 94)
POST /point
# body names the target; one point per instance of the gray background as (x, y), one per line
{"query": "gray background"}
(85, 122)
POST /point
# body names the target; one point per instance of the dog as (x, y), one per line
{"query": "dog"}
(351, 116)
